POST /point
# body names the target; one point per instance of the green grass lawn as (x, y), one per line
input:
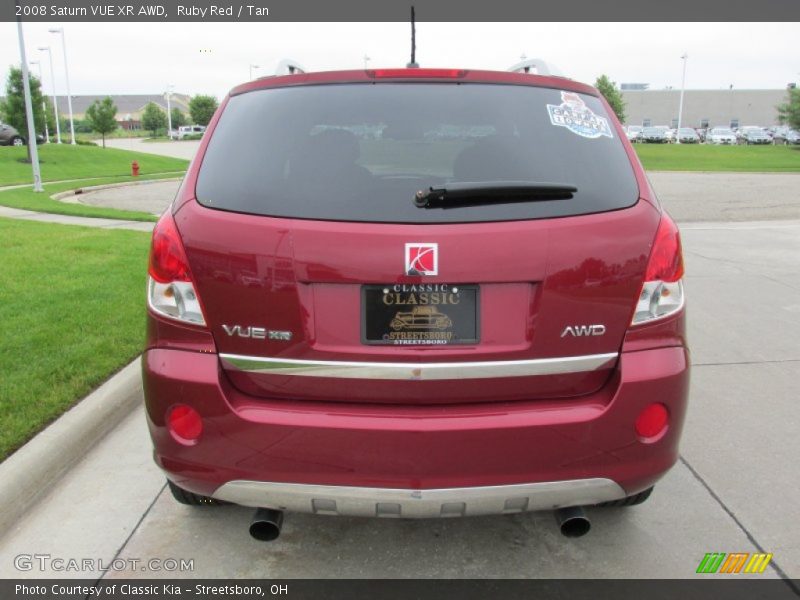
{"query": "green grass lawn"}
(701, 157)
(78, 162)
(72, 308)
(27, 199)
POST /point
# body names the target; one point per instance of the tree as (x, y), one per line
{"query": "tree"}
(178, 118)
(102, 117)
(201, 109)
(612, 95)
(789, 112)
(13, 107)
(153, 118)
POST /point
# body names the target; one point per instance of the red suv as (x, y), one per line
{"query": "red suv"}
(415, 293)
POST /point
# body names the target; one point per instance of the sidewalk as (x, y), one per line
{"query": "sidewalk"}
(29, 215)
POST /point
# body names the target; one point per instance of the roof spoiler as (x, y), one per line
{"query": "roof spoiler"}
(536, 66)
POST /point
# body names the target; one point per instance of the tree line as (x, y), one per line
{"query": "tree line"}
(100, 117)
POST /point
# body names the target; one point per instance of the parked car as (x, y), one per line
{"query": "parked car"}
(9, 136)
(669, 133)
(633, 132)
(301, 394)
(186, 130)
(721, 136)
(784, 135)
(791, 137)
(754, 135)
(687, 135)
(654, 135)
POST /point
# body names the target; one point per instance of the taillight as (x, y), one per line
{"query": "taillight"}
(662, 291)
(170, 290)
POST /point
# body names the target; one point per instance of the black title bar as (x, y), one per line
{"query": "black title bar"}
(392, 10)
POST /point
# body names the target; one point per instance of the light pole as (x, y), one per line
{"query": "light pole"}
(66, 73)
(26, 84)
(680, 106)
(169, 113)
(55, 98)
(44, 103)
(251, 71)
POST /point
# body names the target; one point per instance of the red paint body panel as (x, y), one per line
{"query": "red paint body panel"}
(536, 277)
(415, 447)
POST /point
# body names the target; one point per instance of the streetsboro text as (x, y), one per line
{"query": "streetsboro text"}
(167, 589)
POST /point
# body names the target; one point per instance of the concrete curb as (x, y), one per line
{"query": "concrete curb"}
(73, 196)
(28, 474)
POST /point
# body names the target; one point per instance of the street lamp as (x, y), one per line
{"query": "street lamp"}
(680, 106)
(55, 98)
(44, 104)
(251, 71)
(169, 112)
(33, 151)
(66, 73)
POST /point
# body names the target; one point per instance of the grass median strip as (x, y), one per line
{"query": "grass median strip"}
(71, 305)
(27, 199)
(704, 157)
(63, 161)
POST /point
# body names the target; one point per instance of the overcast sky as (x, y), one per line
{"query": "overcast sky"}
(210, 58)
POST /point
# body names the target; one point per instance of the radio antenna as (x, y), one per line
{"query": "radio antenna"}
(413, 64)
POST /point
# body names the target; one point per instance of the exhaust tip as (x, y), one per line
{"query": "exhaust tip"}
(573, 522)
(266, 525)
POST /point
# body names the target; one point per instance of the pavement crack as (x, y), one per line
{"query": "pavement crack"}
(747, 362)
(743, 266)
(773, 563)
(130, 535)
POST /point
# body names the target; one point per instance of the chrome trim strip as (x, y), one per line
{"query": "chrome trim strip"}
(417, 371)
(420, 504)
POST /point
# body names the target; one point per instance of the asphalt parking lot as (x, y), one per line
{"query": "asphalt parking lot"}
(735, 488)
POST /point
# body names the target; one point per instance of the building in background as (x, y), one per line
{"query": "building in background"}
(703, 108)
(129, 106)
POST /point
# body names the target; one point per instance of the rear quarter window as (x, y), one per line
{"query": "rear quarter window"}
(359, 152)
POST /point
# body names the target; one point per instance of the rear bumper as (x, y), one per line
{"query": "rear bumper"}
(419, 504)
(423, 461)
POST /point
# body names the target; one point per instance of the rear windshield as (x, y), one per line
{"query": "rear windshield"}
(360, 152)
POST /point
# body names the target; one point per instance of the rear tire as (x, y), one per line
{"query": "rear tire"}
(630, 500)
(17, 141)
(190, 499)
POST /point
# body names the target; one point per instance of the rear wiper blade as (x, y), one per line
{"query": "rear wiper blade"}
(491, 192)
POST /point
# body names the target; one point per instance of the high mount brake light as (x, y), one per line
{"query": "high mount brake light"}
(662, 290)
(170, 289)
(416, 73)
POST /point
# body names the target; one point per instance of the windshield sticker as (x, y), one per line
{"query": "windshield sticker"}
(573, 114)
